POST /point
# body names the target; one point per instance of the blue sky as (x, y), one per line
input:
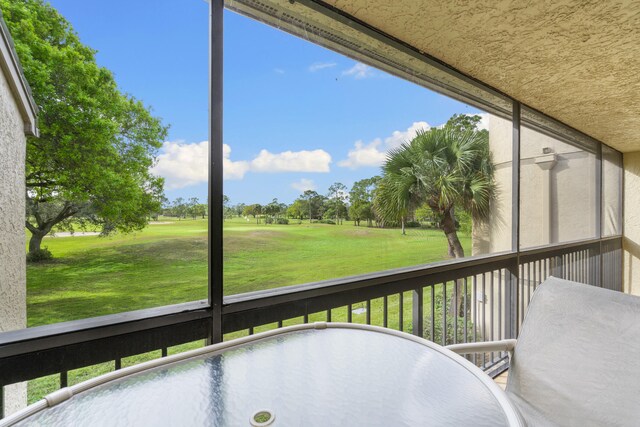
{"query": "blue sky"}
(296, 115)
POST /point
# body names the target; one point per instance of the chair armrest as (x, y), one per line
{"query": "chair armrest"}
(483, 347)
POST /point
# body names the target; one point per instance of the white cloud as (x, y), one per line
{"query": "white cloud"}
(359, 71)
(375, 152)
(363, 155)
(317, 66)
(232, 170)
(292, 161)
(397, 138)
(304, 185)
(183, 164)
(278, 70)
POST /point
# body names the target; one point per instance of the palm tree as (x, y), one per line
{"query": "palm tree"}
(445, 169)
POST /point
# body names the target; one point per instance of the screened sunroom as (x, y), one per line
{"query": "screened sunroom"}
(554, 88)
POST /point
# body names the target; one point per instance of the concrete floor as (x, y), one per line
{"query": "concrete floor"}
(501, 379)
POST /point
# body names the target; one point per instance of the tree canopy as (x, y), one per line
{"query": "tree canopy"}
(91, 163)
(444, 169)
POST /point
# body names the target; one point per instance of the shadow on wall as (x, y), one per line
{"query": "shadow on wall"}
(631, 257)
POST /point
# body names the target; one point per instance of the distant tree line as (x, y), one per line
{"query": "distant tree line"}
(185, 208)
(443, 178)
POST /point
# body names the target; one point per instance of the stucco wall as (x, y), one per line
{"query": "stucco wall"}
(631, 240)
(557, 204)
(494, 235)
(12, 234)
(611, 192)
(557, 191)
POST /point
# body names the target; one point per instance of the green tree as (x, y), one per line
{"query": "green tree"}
(297, 209)
(313, 203)
(361, 198)
(91, 163)
(202, 209)
(226, 208)
(239, 208)
(254, 210)
(179, 208)
(338, 200)
(192, 207)
(446, 169)
(463, 123)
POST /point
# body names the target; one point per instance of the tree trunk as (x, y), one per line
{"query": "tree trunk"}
(403, 232)
(449, 228)
(36, 241)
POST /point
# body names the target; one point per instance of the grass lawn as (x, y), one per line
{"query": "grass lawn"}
(167, 264)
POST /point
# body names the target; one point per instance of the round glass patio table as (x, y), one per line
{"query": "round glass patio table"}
(323, 374)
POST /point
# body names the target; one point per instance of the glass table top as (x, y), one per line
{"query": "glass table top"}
(313, 377)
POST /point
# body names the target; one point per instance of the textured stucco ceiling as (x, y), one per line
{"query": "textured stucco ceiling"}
(577, 61)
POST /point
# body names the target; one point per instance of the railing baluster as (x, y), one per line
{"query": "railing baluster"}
(528, 283)
(475, 315)
(454, 315)
(349, 316)
(585, 267)
(491, 312)
(521, 294)
(385, 308)
(501, 326)
(118, 364)
(306, 317)
(466, 309)
(251, 330)
(329, 315)
(571, 266)
(444, 314)
(572, 256)
(579, 277)
(578, 257)
(484, 315)
(416, 312)
(279, 323)
(433, 312)
(401, 311)
(1, 402)
(64, 379)
(548, 268)
(368, 315)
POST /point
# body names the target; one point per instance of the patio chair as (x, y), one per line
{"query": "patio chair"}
(577, 359)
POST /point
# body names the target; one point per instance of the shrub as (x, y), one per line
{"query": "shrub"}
(282, 221)
(327, 221)
(39, 255)
(412, 224)
(268, 220)
(451, 320)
